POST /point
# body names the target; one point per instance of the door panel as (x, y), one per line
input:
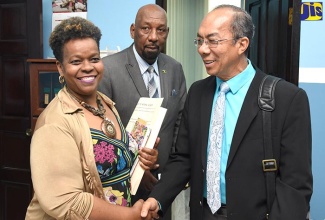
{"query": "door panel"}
(275, 46)
(14, 91)
(20, 38)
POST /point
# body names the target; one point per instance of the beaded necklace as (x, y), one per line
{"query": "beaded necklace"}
(107, 125)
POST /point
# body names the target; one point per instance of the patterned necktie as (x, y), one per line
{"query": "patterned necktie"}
(152, 87)
(214, 155)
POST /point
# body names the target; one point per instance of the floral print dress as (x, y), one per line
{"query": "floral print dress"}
(114, 159)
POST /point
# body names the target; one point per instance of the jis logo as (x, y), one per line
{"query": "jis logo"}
(311, 11)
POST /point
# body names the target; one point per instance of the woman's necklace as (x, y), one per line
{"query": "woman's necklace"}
(107, 125)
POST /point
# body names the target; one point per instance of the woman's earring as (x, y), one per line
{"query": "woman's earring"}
(61, 79)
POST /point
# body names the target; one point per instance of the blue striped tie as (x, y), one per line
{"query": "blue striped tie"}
(152, 87)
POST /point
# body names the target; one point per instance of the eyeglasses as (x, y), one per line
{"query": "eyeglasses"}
(210, 43)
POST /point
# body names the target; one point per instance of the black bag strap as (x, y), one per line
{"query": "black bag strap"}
(266, 102)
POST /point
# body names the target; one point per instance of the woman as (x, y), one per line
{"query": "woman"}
(80, 155)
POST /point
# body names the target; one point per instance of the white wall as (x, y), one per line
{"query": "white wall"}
(312, 79)
(214, 3)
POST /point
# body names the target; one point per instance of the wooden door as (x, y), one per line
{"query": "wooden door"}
(20, 38)
(275, 47)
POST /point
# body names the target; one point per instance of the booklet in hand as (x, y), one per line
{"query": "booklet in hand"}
(147, 116)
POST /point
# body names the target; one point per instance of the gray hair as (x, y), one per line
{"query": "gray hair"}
(242, 25)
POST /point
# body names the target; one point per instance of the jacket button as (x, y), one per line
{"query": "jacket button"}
(200, 203)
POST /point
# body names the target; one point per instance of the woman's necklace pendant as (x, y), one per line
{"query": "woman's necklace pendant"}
(107, 125)
(108, 128)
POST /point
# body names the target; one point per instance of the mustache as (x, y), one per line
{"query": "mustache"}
(152, 45)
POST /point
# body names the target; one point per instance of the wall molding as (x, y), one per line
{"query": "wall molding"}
(311, 75)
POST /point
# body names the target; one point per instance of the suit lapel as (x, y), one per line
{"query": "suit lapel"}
(247, 114)
(133, 69)
(206, 107)
(164, 77)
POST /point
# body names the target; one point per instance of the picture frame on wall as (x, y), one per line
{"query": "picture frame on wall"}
(63, 9)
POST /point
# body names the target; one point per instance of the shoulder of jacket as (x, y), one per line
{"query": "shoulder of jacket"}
(168, 59)
(114, 56)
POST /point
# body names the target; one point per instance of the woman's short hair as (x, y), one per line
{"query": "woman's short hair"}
(69, 29)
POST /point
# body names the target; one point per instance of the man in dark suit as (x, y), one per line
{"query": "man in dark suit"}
(126, 80)
(222, 41)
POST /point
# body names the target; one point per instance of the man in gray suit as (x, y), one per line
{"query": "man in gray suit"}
(126, 80)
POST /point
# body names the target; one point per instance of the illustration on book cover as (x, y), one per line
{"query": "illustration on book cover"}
(140, 132)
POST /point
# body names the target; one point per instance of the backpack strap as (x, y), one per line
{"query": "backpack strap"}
(266, 102)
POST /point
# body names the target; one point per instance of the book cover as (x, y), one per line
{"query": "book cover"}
(140, 134)
(151, 113)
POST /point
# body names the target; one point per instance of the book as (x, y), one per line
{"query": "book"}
(147, 113)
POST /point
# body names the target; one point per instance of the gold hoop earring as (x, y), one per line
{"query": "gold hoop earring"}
(61, 79)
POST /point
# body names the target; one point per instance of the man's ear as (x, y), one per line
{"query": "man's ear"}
(132, 29)
(243, 44)
(167, 32)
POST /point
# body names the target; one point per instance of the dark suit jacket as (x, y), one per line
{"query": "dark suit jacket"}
(245, 180)
(123, 83)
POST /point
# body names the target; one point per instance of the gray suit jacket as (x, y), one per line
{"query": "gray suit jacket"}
(123, 83)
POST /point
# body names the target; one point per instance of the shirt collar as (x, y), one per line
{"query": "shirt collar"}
(143, 65)
(237, 82)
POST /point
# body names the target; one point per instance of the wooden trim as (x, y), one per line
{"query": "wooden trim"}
(162, 3)
(35, 67)
(295, 42)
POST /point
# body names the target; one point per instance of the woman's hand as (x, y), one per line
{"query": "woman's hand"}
(136, 208)
(148, 157)
(150, 209)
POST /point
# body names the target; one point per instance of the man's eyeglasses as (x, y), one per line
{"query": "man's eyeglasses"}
(210, 43)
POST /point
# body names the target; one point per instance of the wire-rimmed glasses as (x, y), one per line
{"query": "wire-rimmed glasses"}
(211, 43)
